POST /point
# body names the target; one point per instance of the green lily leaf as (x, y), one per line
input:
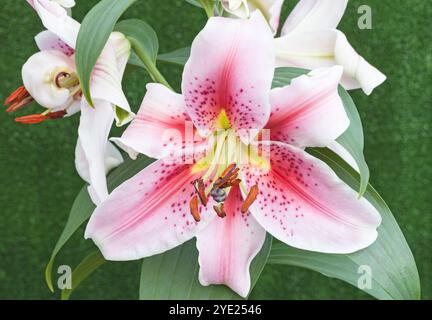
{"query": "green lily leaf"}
(179, 56)
(90, 264)
(389, 259)
(352, 139)
(145, 45)
(93, 35)
(174, 275)
(83, 207)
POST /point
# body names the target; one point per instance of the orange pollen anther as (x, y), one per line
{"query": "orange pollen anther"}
(250, 198)
(193, 204)
(32, 119)
(38, 118)
(200, 190)
(18, 99)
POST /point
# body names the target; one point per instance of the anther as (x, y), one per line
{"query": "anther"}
(18, 99)
(193, 204)
(32, 119)
(250, 198)
(219, 209)
(200, 190)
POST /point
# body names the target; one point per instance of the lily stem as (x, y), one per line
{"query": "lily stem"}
(149, 64)
(208, 7)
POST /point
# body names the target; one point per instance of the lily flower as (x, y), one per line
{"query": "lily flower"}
(310, 40)
(227, 203)
(271, 9)
(50, 79)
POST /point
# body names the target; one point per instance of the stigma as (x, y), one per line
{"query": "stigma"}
(219, 192)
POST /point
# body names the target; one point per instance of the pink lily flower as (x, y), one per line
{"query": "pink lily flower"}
(310, 40)
(50, 79)
(226, 203)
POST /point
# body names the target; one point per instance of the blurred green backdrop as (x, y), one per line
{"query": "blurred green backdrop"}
(38, 182)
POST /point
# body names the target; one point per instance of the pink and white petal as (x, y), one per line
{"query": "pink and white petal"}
(309, 111)
(304, 204)
(315, 15)
(95, 125)
(344, 154)
(227, 246)
(56, 19)
(148, 214)
(226, 72)
(46, 40)
(324, 48)
(106, 82)
(161, 125)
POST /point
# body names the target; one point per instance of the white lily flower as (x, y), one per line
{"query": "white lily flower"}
(50, 78)
(270, 9)
(310, 40)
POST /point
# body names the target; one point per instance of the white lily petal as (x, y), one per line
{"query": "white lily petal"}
(93, 131)
(107, 76)
(46, 40)
(238, 8)
(56, 19)
(113, 159)
(324, 48)
(315, 15)
(66, 3)
(39, 73)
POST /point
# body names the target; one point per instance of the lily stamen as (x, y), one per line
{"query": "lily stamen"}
(200, 190)
(18, 99)
(193, 205)
(250, 198)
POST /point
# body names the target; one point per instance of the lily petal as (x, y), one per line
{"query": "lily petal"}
(56, 19)
(160, 125)
(309, 111)
(238, 8)
(227, 246)
(304, 204)
(147, 214)
(38, 75)
(46, 40)
(107, 76)
(225, 72)
(93, 131)
(315, 14)
(113, 159)
(324, 48)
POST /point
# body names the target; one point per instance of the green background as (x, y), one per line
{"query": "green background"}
(39, 183)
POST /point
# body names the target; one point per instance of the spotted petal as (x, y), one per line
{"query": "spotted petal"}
(148, 214)
(304, 204)
(46, 40)
(161, 125)
(225, 71)
(227, 246)
(309, 111)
